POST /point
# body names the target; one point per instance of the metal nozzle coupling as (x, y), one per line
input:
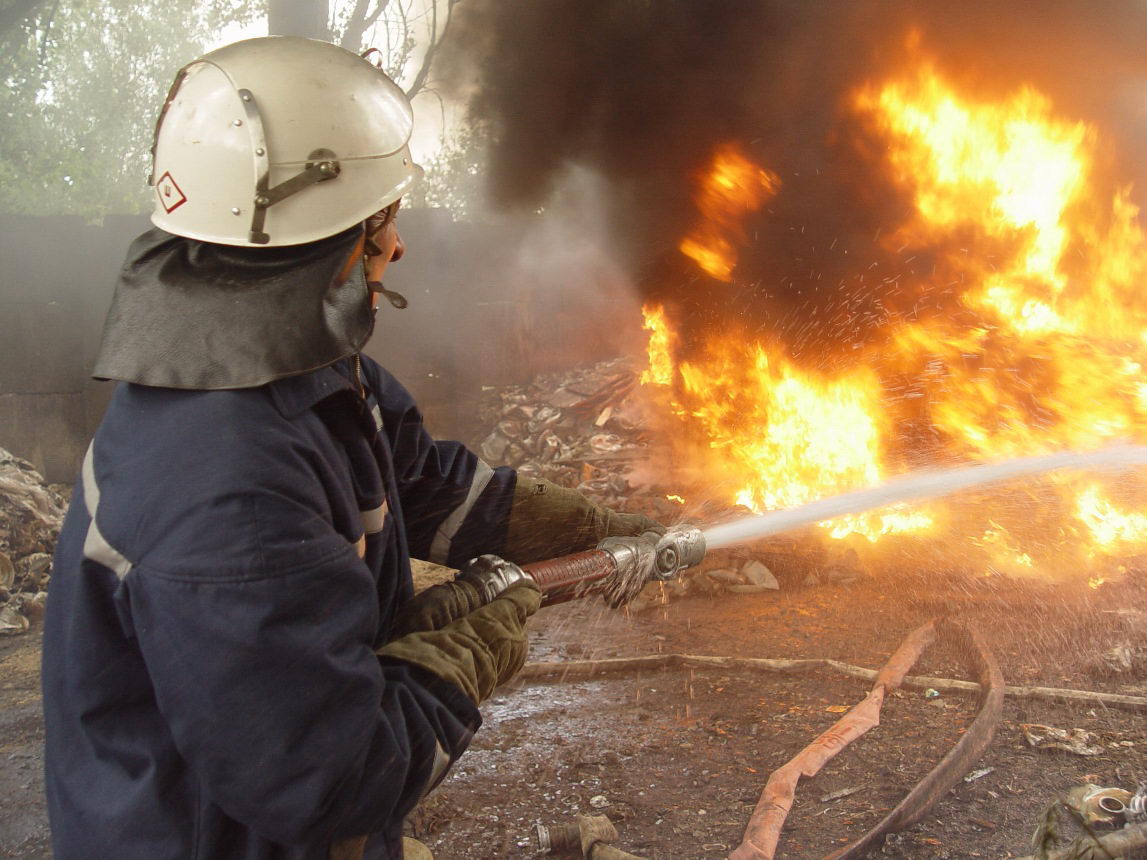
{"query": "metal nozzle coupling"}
(1100, 805)
(679, 548)
(491, 575)
(558, 837)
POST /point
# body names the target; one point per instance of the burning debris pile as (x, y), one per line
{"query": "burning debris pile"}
(579, 429)
(1000, 317)
(923, 252)
(31, 514)
(589, 429)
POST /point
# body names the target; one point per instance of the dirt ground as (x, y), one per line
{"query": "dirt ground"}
(677, 758)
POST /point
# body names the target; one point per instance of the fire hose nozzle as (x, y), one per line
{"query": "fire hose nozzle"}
(617, 569)
(679, 548)
(650, 557)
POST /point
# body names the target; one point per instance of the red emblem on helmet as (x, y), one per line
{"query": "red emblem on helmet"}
(170, 195)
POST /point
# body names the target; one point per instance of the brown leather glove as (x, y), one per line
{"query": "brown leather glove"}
(436, 607)
(478, 652)
(548, 521)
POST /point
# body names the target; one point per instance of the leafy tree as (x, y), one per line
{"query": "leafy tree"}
(404, 31)
(455, 177)
(80, 83)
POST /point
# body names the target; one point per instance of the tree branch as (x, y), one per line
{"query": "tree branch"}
(47, 29)
(576, 670)
(361, 20)
(435, 41)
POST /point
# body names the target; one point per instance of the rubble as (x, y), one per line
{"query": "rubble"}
(1077, 741)
(578, 429)
(31, 513)
(587, 428)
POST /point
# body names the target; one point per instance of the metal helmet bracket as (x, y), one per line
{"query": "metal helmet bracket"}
(321, 166)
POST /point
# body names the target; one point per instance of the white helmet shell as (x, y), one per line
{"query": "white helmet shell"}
(279, 141)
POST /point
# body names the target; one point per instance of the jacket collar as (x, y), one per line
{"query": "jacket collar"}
(294, 395)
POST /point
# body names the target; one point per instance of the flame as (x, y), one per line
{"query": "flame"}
(1044, 351)
(781, 437)
(732, 188)
(1055, 358)
(1111, 528)
(660, 349)
(797, 436)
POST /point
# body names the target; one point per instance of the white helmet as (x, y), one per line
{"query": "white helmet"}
(278, 141)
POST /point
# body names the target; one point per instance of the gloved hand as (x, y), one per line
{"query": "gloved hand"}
(479, 651)
(548, 521)
(436, 607)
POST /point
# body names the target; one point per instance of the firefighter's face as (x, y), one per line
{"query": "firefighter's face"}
(383, 243)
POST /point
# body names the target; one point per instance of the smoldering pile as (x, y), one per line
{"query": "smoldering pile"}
(31, 514)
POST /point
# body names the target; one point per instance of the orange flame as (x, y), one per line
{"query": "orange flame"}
(660, 349)
(1047, 353)
(732, 188)
(779, 437)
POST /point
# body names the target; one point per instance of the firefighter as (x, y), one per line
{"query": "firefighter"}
(235, 665)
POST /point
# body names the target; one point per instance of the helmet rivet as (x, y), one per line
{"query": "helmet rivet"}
(405, 162)
(246, 97)
(260, 151)
(236, 122)
(235, 210)
(326, 168)
(261, 200)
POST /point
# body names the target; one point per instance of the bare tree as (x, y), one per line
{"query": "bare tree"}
(411, 28)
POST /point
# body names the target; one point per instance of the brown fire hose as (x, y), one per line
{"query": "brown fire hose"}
(617, 569)
(573, 576)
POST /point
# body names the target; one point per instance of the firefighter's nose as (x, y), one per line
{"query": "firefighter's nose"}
(399, 248)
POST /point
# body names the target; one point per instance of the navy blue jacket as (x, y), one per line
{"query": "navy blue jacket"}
(230, 561)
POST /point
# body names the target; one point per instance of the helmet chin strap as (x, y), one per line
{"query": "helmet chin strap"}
(398, 300)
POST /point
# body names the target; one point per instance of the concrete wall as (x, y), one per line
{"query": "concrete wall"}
(56, 279)
(475, 318)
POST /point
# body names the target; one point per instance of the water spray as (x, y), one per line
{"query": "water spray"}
(621, 566)
(916, 487)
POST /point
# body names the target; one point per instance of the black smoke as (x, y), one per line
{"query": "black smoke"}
(642, 91)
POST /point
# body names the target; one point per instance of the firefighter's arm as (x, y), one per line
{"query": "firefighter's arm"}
(455, 506)
(265, 673)
(477, 651)
(547, 521)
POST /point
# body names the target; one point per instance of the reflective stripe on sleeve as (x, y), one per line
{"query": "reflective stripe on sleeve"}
(96, 547)
(438, 769)
(444, 537)
(374, 519)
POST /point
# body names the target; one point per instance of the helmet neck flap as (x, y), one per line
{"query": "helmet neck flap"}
(203, 316)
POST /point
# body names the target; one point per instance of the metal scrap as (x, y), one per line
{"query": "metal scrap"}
(1098, 805)
(1076, 741)
(31, 513)
(589, 836)
(571, 428)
